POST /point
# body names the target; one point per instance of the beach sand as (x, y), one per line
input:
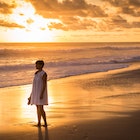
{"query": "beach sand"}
(97, 106)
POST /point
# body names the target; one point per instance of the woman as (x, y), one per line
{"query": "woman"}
(39, 96)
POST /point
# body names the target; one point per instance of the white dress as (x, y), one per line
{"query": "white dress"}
(36, 90)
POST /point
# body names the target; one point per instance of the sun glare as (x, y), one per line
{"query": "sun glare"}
(32, 36)
(34, 27)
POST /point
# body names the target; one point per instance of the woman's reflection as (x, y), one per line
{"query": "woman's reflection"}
(41, 135)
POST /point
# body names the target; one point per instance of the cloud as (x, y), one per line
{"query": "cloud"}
(135, 3)
(125, 15)
(131, 11)
(77, 14)
(123, 3)
(53, 8)
(6, 8)
(118, 21)
(80, 15)
(57, 26)
(136, 24)
(30, 21)
(73, 24)
(72, 14)
(79, 24)
(10, 25)
(130, 7)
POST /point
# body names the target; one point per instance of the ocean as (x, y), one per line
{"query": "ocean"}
(17, 60)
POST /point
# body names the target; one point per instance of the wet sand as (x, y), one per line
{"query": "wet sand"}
(98, 106)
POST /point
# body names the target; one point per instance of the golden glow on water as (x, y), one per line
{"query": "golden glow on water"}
(27, 111)
(13, 106)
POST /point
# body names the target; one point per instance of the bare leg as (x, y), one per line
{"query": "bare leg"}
(38, 115)
(43, 114)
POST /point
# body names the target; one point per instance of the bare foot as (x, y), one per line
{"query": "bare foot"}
(45, 125)
(38, 124)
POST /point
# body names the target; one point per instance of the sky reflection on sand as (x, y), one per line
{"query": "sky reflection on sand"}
(69, 101)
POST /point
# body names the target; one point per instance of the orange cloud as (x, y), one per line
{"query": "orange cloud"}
(6, 8)
(130, 7)
(74, 24)
(10, 25)
(55, 9)
(30, 21)
(110, 15)
(73, 14)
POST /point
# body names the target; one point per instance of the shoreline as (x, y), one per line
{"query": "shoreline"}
(98, 72)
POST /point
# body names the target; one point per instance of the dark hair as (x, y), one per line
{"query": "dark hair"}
(40, 62)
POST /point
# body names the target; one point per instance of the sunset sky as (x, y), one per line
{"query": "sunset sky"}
(69, 20)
